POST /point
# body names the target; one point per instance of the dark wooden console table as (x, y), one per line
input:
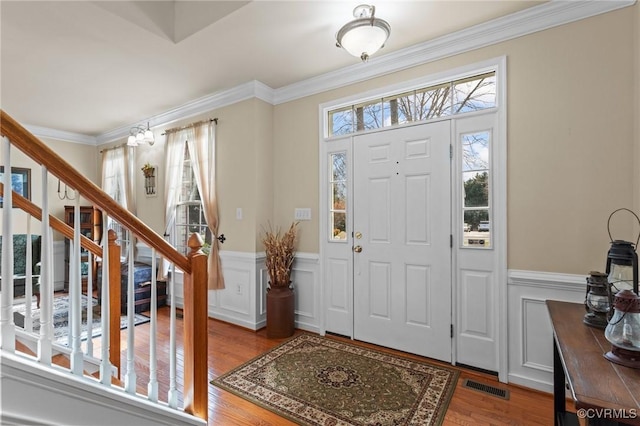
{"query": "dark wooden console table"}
(608, 393)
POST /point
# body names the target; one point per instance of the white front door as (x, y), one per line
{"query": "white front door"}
(401, 239)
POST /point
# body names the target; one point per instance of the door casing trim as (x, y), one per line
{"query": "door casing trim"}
(499, 65)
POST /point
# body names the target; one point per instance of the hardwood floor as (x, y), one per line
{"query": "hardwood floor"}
(231, 346)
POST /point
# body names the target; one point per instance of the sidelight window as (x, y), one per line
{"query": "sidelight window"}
(338, 196)
(476, 203)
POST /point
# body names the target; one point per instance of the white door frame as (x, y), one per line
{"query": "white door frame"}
(499, 203)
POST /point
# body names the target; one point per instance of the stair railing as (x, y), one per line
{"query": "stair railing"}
(194, 267)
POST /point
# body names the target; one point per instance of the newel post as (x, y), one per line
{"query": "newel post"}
(115, 288)
(195, 332)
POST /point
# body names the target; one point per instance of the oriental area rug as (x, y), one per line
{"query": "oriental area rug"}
(61, 318)
(314, 381)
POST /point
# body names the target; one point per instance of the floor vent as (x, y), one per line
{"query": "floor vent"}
(481, 387)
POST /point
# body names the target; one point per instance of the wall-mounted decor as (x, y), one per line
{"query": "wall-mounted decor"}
(20, 182)
(149, 173)
(65, 195)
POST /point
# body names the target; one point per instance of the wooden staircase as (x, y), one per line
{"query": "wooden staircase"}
(41, 348)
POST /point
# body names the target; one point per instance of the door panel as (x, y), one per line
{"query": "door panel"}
(478, 298)
(337, 291)
(418, 294)
(402, 276)
(416, 202)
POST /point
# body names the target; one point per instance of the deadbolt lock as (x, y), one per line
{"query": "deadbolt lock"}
(358, 235)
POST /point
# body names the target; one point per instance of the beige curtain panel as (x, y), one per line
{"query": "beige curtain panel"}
(202, 148)
(174, 163)
(117, 177)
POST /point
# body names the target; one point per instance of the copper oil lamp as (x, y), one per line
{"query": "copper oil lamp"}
(623, 330)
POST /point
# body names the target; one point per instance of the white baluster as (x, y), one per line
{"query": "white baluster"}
(173, 392)
(130, 377)
(75, 293)
(28, 280)
(72, 263)
(90, 305)
(46, 279)
(7, 327)
(105, 364)
(152, 387)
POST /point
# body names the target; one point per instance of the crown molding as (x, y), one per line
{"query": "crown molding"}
(250, 90)
(528, 21)
(45, 132)
(538, 18)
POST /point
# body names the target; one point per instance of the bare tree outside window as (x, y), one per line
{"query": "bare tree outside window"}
(338, 184)
(455, 97)
(476, 204)
(341, 121)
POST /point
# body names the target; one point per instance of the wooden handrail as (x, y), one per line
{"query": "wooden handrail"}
(195, 266)
(45, 156)
(35, 211)
(195, 332)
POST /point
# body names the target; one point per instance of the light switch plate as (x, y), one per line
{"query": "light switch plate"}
(302, 214)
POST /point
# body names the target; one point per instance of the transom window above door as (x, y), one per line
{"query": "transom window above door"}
(455, 97)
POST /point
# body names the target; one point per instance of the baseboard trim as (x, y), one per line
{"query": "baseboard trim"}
(234, 320)
(528, 382)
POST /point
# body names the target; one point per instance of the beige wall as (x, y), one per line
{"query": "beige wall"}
(573, 148)
(264, 170)
(636, 113)
(570, 141)
(244, 177)
(82, 157)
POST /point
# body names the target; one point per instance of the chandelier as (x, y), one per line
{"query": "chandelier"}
(365, 35)
(139, 134)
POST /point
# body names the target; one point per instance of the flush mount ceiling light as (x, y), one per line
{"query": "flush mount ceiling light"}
(365, 35)
(139, 134)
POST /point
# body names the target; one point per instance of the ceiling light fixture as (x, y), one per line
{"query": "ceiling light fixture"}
(139, 134)
(365, 35)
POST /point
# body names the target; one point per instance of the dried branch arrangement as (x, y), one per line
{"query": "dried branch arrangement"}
(280, 251)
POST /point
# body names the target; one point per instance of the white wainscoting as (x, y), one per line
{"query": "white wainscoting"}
(530, 337)
(243, 301)
(529, 329)
(237, 303)
(306, 288)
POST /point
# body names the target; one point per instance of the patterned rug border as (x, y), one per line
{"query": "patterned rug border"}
(61, 312)
(397, 359)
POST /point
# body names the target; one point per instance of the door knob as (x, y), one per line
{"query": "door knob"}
(357, 249)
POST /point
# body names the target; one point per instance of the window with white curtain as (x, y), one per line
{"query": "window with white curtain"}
(114, 183)
(190, 199)
(189, 211)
